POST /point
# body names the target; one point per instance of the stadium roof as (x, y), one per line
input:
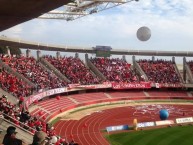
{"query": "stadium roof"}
(18, 11)
(10, 42)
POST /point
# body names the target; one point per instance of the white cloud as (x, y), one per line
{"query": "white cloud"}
(14, 32)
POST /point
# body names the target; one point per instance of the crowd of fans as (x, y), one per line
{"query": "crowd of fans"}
(159, 71)
(13, 85)
(32, 70)
(115, 69)
(34, 124)
(74, 69)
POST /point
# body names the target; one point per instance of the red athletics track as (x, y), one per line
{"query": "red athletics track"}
(86, 131)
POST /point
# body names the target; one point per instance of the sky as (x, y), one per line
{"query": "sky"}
(170, 22)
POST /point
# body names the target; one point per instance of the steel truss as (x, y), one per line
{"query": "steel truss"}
(81, 8)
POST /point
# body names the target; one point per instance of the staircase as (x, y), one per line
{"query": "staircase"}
(178, 73)
(141, 72)
(93, 68)
(189, 72)
(50, 67)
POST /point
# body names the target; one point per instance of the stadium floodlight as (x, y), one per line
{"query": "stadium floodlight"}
(80, 8)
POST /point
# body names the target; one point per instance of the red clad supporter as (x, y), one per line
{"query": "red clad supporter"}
(13, 85)
(21, 99)
(37, 123)
(160, 71)
(34, 71)
(22, 118)
(74, 69)
(115, 69)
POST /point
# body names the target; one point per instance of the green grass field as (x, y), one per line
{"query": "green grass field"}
(180, 135)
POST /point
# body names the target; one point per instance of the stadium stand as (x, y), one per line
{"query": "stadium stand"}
(80, 98)
(127, 94)
(13, 85)
(33, 71)
(23, 119)
(159, 71)
(74, 69)
(50, 106)
(168, 93)
(115, 69)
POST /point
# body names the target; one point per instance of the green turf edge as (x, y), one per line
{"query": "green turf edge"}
(55, 120)
(172, 136)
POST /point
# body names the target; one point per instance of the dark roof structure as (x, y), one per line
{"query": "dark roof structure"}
(14, 12)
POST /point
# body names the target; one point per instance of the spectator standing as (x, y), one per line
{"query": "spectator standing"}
(21, 100)
(40, 138)
(10, 137)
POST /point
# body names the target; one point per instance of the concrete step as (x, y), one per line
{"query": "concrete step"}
(109, 96)
(146, 94)
(189, 94)
(73, 100)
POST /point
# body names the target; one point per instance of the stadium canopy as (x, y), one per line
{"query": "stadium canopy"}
(13, 12)
(80, 8)
(10, 42)
(18, 11)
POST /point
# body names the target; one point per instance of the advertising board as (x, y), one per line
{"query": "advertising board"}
(145, 124)
(164, 122)
(117, 128)
(184, 120)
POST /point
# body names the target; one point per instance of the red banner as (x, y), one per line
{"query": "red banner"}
(98, 86)
(142, 85)
(73, 85)
(39, 96)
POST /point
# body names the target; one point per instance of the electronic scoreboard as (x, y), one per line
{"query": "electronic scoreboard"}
(102, 51)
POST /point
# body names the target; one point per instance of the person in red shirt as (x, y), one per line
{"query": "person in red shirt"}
(21, 99)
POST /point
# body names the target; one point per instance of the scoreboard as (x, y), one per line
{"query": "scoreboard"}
(103, 51)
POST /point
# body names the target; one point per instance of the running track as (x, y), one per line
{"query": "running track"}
(87, 130)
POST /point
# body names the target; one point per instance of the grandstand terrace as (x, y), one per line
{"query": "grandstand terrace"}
(74, 69)
(98, 81)
(115, 70)
(160, 71)
(34, 71)
(14, 85)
